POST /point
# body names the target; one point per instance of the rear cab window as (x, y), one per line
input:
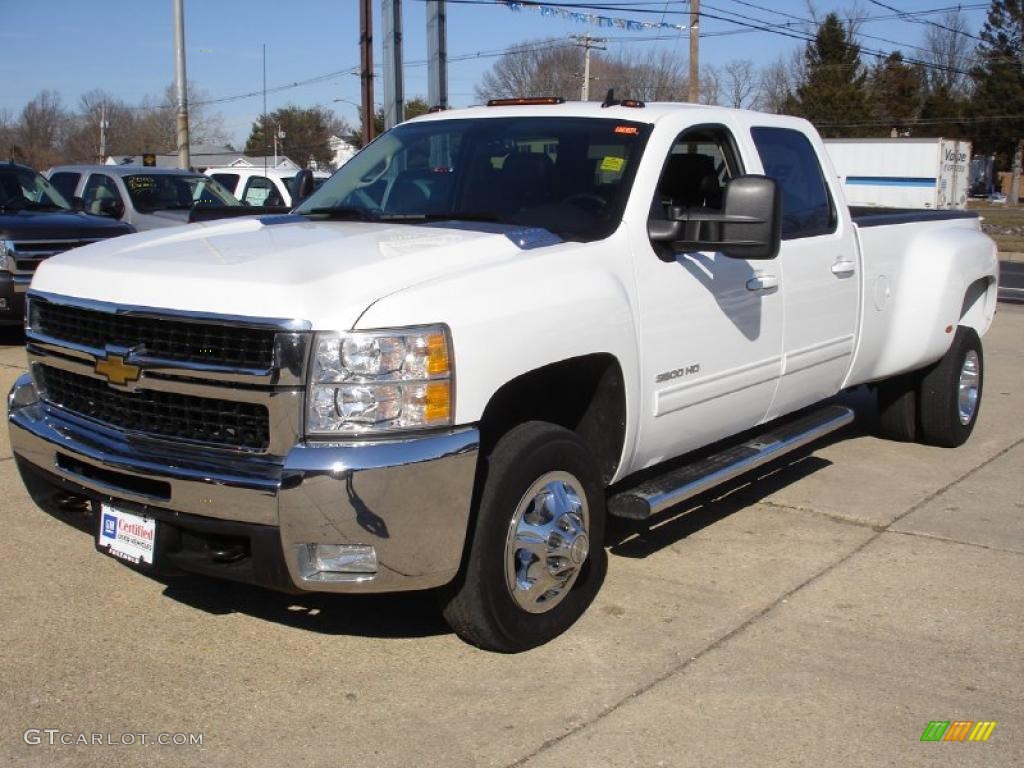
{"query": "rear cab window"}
(228, 180)
(66, 182)
(788, 157)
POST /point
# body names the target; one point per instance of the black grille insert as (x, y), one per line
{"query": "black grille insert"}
(178, 340)
(206, 420)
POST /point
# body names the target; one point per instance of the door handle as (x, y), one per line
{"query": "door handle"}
(843, 267)
(762, 283)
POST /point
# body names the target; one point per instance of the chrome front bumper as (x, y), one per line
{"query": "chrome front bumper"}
(409, 499)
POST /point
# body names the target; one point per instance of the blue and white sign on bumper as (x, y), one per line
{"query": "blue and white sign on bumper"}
(127, 536)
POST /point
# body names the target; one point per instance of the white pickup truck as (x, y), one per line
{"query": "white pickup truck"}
(486, 333)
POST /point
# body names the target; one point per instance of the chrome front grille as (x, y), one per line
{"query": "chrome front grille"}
(229, 383)
(210, 421)
(208, 344)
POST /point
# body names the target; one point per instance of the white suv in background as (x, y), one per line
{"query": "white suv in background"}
(254, 186)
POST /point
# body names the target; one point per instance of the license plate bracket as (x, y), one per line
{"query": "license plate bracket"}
(126, 535)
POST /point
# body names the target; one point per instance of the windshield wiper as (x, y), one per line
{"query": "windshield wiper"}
(342, 212)
(34, 206)
(490, 217)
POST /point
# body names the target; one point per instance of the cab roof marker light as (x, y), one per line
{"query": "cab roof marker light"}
(525, 102)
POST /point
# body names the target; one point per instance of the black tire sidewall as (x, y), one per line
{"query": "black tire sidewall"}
(939, 393)
(526, 453)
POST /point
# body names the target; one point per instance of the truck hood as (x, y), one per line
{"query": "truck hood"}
(147, 220)
(57, 225)
(288, 267)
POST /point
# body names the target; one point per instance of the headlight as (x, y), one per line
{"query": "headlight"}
(6, 247)
(380, 381)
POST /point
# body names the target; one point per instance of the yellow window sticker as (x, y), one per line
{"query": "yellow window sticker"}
(613, 164)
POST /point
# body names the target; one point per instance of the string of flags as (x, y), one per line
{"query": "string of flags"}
(593, 18)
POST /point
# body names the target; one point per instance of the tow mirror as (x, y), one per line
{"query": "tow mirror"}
(749, 225)
(302, 186)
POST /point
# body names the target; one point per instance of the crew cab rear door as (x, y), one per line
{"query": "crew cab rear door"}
(818, 268)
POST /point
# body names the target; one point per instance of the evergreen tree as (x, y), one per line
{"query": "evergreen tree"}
(832, 95)
(895, 90)
(945, 110)
(306, 133)
(999, 81)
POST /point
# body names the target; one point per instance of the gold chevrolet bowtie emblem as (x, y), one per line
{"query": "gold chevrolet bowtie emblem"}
(117, 370)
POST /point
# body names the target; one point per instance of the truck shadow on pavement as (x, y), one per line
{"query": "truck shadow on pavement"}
(397, 615)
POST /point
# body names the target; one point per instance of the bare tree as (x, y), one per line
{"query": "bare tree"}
(82, 143)
(555, 68)
(657, 76)
(39, 131)
(950, 51)
(739, 84)
(156, 127)
(778, 82)
(537, 68)
(6, 133)
(710, 84)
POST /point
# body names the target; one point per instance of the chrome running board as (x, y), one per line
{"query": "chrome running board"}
(685, 482)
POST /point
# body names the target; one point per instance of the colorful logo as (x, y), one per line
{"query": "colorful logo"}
(958, 730)
(110, 526)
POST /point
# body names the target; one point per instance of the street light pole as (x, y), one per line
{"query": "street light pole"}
(181, 85)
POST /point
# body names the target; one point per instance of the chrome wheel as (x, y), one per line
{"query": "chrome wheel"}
(967, 396)
(547, 542)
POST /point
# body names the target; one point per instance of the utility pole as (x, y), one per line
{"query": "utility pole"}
(103, 132)
(181, 84)
(394, 92)
(586, 42)
(437, 54)
(366, 66)
(694, 51)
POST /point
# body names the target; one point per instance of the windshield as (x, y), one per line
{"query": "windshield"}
(163, 192)
(21, 188)
(570, 176)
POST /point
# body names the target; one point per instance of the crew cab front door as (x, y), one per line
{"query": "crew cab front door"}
(711, 325)
(818, 265)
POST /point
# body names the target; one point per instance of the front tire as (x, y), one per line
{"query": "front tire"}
(536, 556)
(950, 392)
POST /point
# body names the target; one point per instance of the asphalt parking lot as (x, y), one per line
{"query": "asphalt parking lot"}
(822, 613)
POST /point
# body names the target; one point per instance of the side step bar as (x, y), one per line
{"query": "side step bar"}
(683, 483)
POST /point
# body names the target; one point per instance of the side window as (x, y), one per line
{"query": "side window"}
(257, 190)
(789, 158)
(98, 188)
(65, 182)
(228, 180)
(696, 170)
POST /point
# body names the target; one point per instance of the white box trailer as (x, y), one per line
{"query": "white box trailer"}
(903, 173)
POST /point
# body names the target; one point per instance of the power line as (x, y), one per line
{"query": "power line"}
(904, 14)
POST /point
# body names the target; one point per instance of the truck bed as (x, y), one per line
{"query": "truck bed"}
(870, 216)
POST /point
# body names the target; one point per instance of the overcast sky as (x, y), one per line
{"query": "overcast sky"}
(126, 46)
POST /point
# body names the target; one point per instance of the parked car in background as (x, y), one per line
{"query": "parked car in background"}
(256, 186)
(37, 222)
(146, 198)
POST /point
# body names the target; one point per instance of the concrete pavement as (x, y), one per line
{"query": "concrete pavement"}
(821, 613)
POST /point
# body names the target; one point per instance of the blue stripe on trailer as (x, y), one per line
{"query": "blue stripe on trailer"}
(891, 181)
